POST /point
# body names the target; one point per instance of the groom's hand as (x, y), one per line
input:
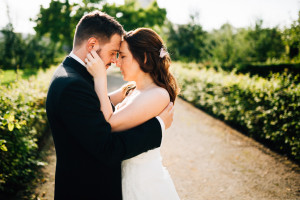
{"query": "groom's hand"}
(167, 115)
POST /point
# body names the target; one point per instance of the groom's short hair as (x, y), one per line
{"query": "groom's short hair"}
(97, 24)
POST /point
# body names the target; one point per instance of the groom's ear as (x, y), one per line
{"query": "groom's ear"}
(91, 43)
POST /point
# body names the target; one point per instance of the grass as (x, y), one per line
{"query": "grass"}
(8, 76)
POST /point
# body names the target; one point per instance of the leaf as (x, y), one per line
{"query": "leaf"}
(6, 116)
(11, 126)
(2, 141)
(11, 118)
(23, 122)
(18, 126)
(3, 147)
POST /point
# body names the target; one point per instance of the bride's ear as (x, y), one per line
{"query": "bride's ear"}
(145, 60)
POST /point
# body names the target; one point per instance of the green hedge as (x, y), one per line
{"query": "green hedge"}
(22, 125)
(265, 69)
(266, 109)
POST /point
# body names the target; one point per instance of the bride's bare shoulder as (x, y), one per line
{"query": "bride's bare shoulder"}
(158, 93)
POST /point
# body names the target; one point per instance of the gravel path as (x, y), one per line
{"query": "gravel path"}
(209, 160)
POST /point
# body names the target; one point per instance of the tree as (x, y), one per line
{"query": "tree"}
(60, 19)
(18, 51)
(131, 16)
(222, 45)
(14, 49)
(186, 42)
(265, 42)
(291, 38)
(56, 22)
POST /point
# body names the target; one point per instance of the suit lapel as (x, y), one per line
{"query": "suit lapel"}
(78, 67)
(74, 64)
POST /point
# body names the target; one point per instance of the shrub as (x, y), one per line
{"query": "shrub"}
(22, 125)
(265, 70)
(266, 109)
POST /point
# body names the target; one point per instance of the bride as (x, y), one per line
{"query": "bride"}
(143, 59)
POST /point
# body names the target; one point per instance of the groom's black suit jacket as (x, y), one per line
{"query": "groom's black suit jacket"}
(88, 154)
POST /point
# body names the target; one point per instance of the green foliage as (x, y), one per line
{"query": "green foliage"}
(9, 76)
(187, 42)
(229, 48)
(264, 70)
(22, 124)
(18, 52)
(56, 21)
(265, 43)
(291, 38)
(268, 110)
(131, 16)
(59, 20)
(12, 48)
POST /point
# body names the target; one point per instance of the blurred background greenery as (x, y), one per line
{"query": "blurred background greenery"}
(248, 77)
(228, 47)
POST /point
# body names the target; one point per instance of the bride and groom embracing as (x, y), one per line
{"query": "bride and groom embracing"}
(107, 145)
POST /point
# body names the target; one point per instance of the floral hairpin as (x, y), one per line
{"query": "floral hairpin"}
(162, 52)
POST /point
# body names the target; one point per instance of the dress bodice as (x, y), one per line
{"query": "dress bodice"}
(146, 157)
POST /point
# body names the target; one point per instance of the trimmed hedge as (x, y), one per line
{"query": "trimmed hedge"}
(265, 69)
(265, 109)
(22, 125)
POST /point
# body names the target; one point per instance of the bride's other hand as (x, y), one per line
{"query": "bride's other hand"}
(95, 65)
(167, 115)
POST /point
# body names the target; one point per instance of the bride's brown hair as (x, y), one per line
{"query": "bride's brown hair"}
(145, 46)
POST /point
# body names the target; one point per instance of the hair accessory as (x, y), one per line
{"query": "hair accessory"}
(162, 52)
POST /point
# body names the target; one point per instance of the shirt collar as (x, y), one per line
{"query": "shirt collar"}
(72, 55)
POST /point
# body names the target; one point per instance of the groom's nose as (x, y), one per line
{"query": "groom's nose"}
(114, 59)
(118, 62)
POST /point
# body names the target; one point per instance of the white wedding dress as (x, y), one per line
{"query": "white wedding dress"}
(145, 178)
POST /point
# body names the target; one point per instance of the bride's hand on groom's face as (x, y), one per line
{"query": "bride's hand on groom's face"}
(95, 65)
(167, 115)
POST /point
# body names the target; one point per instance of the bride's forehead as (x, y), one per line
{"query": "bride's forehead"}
(124, 45)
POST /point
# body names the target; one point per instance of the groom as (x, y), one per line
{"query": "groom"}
(89, 155)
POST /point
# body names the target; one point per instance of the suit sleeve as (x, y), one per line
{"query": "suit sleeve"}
(83, 120)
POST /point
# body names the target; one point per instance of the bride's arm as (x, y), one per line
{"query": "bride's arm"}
(139, 109)
(119, 95)
(136, 111)
(97, 69)
(101, 90)
(116, 96)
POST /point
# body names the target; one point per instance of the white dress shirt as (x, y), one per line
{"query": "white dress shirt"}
(72, 55)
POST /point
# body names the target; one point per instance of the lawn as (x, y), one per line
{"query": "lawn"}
(8, 76)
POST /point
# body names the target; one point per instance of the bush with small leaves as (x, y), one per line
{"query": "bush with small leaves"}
(22, 124)
(265, 109)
